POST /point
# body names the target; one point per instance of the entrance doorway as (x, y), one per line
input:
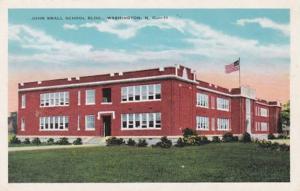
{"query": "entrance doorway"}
(106, 121)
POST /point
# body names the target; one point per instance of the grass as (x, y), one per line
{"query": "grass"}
(228, 162)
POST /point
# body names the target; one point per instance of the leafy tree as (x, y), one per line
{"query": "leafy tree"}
(285, 114)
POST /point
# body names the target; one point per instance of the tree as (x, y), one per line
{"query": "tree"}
(285, 115)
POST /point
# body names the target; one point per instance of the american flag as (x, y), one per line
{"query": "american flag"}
(232, 67)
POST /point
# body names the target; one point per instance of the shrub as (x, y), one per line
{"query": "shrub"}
(228, 137)
(246, 138)
(187, 132)
(190, 140)
(216, 139)
(205, 140)
(26, 141)
(164, 142)
(36, 141)
(271, 136)
(50, 141)
(201, 140)
(273, 146)
(142, 143)
(63, 141)
(77, 141)
(131, 142)
(114, 141)
(180, 142)
(14, 140)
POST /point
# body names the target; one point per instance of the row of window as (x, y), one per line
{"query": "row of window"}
(54, 123)
(54, 99)
(260, 111)
(141, 93)
(203, 101)
(141, 121)
(261, 126)
(202, 123)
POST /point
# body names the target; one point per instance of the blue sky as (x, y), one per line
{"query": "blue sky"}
(203, 39)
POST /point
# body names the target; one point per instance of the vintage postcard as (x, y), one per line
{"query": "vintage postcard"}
(149, 95)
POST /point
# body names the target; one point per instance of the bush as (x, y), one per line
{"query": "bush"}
(50, 141)
(164, 142)
(191, 140)
(14, 140)
(180, 142)
(189, 132)
(246, 138)
(271, 136)
(228, 137)
(142, 143)
(26, 141)
(77, 141)
(201, 140)
(131, 142)
(114, 141)
(273, 146)
(36, 141)
(216, 139)
(63, 141)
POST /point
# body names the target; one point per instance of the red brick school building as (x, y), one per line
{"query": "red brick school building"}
(142, 104)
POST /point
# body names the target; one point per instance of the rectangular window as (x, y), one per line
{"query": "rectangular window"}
(157, 120)
(89, 122)
(144, 92)
(144, 120)
(23, 101)
(223, 124)
(261, 126)
(124, 93)
(137, 121)
(151, 120)
(141, 93)
(202, 123)
(130, 120)
(22, 124)
(54, 123)
(130, 93)
(202, 100)
(89, 97)
(222, 104)
(54, 99)
(141, 120)
(137, 93)
(124, 120)
(157, 91)
(106, 95)
(263, 112)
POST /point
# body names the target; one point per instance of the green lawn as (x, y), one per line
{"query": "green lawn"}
(227, 162)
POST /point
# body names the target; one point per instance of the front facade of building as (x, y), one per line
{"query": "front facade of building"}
(147, 103)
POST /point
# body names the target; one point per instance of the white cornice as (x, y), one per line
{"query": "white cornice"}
(108, 82)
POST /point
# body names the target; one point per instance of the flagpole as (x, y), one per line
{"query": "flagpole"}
(239, 72)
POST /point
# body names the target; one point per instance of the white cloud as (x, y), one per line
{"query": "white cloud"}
(70, 27)
(266, 23)
(206, 46)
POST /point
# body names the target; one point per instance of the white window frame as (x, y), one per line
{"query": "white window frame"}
(202, 123)
(86, 123)
(89, 102)
(202, 100)
(23, 101)
(223, 124)
(143, 96)
(51, 120)
(22, 124)
(52, 98)
(223, 104)
(156, 125)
